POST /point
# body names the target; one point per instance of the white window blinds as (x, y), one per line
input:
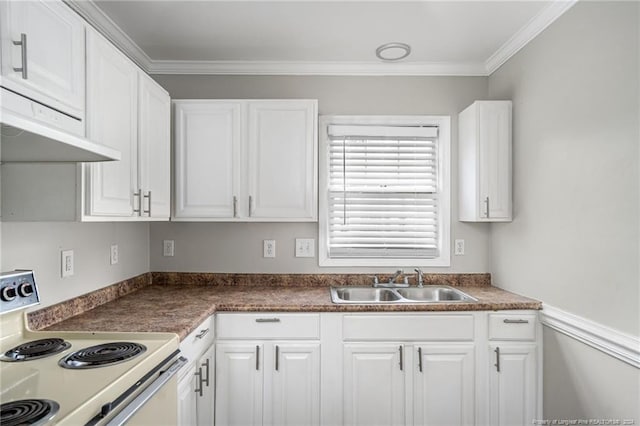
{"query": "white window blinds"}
(383, 196)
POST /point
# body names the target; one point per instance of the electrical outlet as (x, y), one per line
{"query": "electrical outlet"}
(167, 248)
(305, 247)
(269, 248)
(114, 254)
(458, 247)
(66, 267)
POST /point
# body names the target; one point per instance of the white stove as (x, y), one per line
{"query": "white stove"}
(81, 378)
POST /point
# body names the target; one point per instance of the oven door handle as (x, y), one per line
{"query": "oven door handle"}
(139, 401)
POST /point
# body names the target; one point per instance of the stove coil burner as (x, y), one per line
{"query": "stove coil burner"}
(35, 349)
(28, 412)
(102, 355)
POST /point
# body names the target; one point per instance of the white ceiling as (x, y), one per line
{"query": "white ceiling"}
(320, 37)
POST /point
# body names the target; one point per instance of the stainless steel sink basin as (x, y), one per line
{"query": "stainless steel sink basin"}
(435, 294)
(363, 295)
(373, 295)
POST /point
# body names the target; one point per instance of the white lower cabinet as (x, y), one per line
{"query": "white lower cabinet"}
(444, 385)
(378, 369)
(196, 396)
(268, 369)
(374, 384)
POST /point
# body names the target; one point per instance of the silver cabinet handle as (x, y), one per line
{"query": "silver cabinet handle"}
(235, 206)
(257, 357)
(267, 319)
(198, 389)
(23, 50)
(202, 333)
(497, 364)
(277, 357)
(205, 380)
(486, 207)
(420, 359)
(401, 357)
(138, 194)
(148, 197)
(516, 321)
(250, 204)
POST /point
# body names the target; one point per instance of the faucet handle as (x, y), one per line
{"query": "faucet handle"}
(375, 280)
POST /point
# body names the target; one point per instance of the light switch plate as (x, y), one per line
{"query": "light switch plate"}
(67, 264)
(305, 247)
(114, 254)
(458, 247)
(167, 248)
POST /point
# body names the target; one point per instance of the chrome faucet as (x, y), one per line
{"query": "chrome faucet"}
(419, 278)
(393, 279)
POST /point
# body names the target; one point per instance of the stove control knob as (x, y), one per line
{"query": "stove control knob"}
(8, 294)
(25, 290)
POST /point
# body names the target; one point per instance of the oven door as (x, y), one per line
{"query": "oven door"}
(152, 400)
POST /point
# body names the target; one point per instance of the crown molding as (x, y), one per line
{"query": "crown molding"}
(527, 33)
(316, 68)
(622, 346)
(88, 10)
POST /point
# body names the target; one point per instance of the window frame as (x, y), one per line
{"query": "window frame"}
(443, 122)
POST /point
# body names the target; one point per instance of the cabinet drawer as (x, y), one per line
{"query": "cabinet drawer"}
(268, 326)
(198, 341)
(408, 327)
(512, 326)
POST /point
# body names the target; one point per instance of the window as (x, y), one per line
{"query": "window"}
(384, 191)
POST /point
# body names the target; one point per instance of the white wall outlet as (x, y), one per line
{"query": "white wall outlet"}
(113, 257)
(458, 249)
(269, 248)
(305, 247)
(167, 248)
(66, 266)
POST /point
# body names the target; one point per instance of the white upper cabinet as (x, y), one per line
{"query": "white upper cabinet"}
(112, 93)
(154, 149)
(128, 111)
(282, 159)
(484, 166)
(43, 56)
(245, 160)
(207, 154)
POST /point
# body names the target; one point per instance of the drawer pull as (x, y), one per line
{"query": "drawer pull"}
(516, 321)
(277, 357)
(202, 333)
(206, 379)
(257, 357)
(497, 364)
(267, 319)
(420, 359)
(401, 357)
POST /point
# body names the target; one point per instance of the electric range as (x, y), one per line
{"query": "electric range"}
(81, 378)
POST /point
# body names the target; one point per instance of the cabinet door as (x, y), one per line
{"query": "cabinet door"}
(374, 384)
(239, 381)
(294, 398)
(205, 388)
(187, 399)
(54, 53)
(207, 149)
(512, 389)
(112, 120)
(154, 148)
(282, 159)
(444, 384)
(494, 127)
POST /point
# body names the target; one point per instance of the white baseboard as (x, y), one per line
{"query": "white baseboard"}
(622, 346)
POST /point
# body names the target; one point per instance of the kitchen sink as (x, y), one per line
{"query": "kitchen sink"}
(373, 295)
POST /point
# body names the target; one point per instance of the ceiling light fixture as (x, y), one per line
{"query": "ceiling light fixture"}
(391, 52)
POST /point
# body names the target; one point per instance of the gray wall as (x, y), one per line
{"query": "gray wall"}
(224, 247)
(37, 245)
(574, 240)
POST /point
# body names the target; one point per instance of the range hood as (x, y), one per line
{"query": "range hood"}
(28, 133)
